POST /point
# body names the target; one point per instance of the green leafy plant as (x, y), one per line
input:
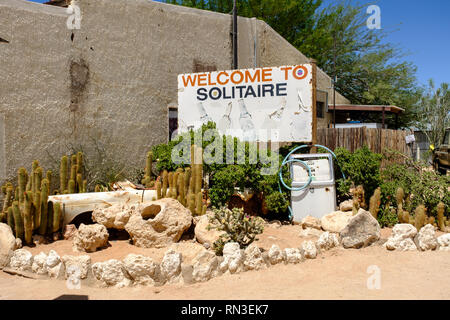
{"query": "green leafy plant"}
(361, 167)
(238, 227)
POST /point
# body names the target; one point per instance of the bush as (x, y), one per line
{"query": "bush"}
(387, 217)
(224, 179)
(360, 168)
(238, 228)
(421, 186)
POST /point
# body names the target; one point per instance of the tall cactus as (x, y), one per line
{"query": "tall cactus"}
(23, 180)
(63, 174)
(56, 216)
(71, 186)
(44, 207)
(36, 210)
(18, 221)
(10, 218)
(181, 188)
(27, 217)
(399, 196)
(375, 201)
(440, 215)
(165, 177)
(158, 190)
(199, 203)
(420, 217)
(49, 179)
(79, 182)
(8, 199)
(191, 203)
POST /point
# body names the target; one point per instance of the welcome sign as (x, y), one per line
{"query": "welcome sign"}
(253, 104)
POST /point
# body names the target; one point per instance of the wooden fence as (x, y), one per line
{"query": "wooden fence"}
(377, 140)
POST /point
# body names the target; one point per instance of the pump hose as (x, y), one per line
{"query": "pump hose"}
(286, 161)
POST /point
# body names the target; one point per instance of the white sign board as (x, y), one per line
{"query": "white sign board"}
(253, 104)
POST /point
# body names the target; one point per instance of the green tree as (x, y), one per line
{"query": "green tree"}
(433, 112)
(369, 70)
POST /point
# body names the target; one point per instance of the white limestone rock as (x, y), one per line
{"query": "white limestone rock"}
(327, 241)
(171, 266)
(21, 260)
(293, 255)
(77, 266)
(444, 242)
(111, 273)
(7, 244)
(426, 238)
(402, 238)
(309, 249)
(205, 266)
(233, 258)
(90, 237)
(142, 270)
(253, 258)
(276, 255)
(39, 265)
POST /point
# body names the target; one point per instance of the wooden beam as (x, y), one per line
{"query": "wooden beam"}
(314, 104)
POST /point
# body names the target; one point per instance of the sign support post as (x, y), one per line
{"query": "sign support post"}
(314, 104)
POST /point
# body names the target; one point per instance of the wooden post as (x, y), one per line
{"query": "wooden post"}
(382, 125)
(314, 104)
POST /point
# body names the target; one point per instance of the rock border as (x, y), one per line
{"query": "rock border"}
(139, 270)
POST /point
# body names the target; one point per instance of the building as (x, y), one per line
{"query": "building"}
(110, 87)
(346, 114)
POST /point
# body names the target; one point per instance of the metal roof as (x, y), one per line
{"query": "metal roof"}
(362, 107)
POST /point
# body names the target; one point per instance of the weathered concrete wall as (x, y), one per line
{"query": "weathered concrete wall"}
(107, 85)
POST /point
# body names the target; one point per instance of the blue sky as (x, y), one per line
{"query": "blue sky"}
(421, 28)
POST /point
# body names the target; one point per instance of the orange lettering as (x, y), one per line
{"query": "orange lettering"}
(210, 83)
(240, 74)
(266, 74)
(256, 76)
(201, 78)
(189, 80)
(285, 69)
(222, 82)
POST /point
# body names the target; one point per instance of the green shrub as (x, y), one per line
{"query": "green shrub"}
(225, 179)
(361, 167)
(277, 202)
(387, 217)
(421, 186)
(238, 228)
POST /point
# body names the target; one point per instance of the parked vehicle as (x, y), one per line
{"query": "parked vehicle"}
(441, 155)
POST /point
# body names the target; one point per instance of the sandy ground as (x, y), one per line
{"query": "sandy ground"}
(335, 274)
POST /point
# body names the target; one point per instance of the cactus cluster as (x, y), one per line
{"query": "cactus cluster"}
(148, 180)
(184, 185)
(237, 227)
(25, 208)
(71, 179)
